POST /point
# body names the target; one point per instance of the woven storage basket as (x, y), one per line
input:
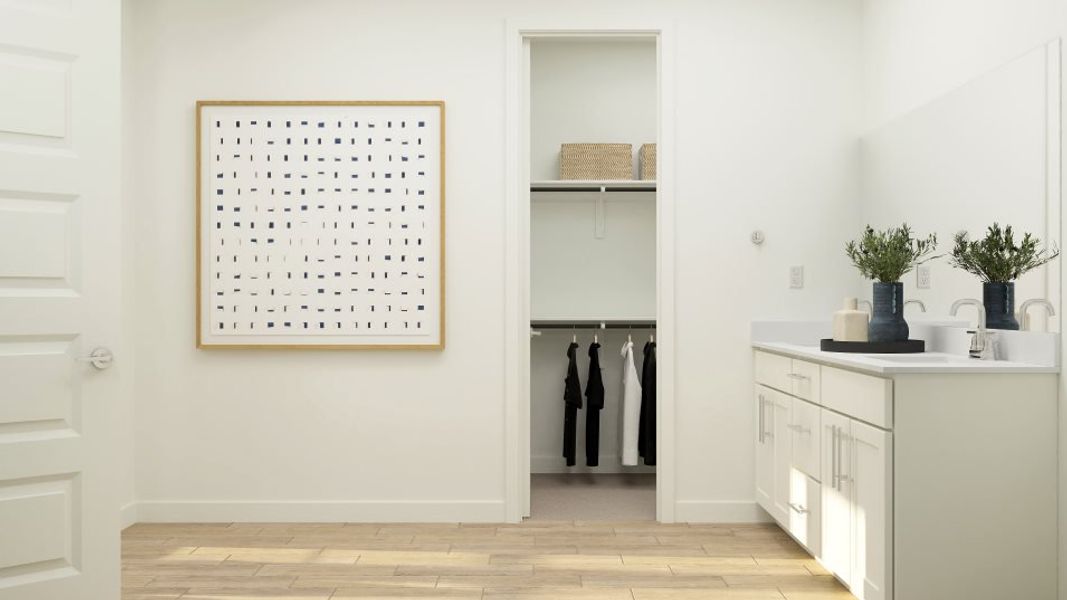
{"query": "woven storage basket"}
(596, 161)
(648, 162)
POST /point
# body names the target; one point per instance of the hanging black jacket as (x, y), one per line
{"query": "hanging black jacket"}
(646, 429)
(594, 402)
(572, 401)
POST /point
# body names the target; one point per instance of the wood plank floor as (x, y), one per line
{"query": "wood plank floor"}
(538, 559)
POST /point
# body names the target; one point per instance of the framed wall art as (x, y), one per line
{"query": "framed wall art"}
(320, 224)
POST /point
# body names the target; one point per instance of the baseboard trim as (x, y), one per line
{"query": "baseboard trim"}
(700, 511)
(128, 515)
(609, 465)
(191, 511)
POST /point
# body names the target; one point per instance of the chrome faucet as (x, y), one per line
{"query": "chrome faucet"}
(922, 306)
(981, 342)
(1024, 310)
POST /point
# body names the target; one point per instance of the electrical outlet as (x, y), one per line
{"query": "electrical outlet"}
(796, 277)
(922, 277)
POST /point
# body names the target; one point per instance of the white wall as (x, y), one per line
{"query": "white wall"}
(918, 50)
(575, 275)
(768, 114)
(584, 91)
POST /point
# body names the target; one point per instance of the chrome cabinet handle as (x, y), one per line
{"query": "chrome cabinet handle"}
(101, 358)
(797, 376)
(800, 429)
(843, 477)
(833, 456)
(800, 510)
(760, 418)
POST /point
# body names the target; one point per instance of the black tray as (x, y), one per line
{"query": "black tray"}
(906, 347)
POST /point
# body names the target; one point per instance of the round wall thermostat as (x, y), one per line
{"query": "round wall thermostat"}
(757, 237)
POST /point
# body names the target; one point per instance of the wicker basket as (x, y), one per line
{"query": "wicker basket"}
(596, 161)
(648, 162)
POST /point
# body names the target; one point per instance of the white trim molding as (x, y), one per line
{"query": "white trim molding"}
(516, 256)
(705, 511)
(128, 515)
(198, 511)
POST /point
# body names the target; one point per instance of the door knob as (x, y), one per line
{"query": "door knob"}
(101, 358)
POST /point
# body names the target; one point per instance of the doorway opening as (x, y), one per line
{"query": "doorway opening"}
(590, 277)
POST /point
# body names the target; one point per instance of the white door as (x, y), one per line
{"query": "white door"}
(59, 298)
(836, 497)
(781, 408)
(869, 475)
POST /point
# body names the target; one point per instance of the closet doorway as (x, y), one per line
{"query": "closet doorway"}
(590, 276)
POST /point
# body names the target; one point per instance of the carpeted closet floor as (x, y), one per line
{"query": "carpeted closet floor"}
(584, 497)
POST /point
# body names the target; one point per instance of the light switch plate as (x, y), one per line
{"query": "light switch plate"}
(922, 277)
(796, 277)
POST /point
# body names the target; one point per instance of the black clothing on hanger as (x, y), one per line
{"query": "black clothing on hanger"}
(646, 428)
(572, 399)
(594, 402)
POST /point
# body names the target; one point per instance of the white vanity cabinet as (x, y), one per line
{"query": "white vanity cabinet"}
(787, 446)
(912, 485)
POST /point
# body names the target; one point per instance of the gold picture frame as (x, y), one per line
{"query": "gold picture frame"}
(203, 341)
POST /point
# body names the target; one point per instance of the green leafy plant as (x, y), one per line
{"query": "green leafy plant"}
(887, 255)
(997, 258)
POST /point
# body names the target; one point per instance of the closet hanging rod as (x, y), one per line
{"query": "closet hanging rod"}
(593, 324)
(535, 188)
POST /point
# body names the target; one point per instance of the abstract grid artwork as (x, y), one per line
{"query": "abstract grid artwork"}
(320, 224)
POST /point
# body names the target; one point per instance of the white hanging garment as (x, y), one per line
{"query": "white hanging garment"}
(631, 405)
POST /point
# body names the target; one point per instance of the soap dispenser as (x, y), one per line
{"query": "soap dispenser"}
(850, 324)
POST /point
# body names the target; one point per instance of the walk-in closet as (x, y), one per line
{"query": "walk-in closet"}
(593, 130)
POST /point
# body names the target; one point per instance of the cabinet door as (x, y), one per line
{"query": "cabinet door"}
(781, 407)
(804, 430)
(805, 513)
(869, 473)
(836, 497)
(764, 448)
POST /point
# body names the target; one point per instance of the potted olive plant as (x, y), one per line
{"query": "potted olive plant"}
(884, 257)
(998, 261)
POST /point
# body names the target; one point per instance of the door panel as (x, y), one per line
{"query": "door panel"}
(60, 222)
(805, 511)
(836, 498)
(781, 408)
(805, 431)
(764, 449)
(869, 475)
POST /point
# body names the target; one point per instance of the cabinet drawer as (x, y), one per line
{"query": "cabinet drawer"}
(861, 397)
(806, 381)
(773, 370)
(804, 433)
(805, 511)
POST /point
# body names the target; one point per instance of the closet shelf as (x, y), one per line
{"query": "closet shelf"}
(619, 185)
(595, 324)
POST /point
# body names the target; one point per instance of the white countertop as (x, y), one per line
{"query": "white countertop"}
(892, 364)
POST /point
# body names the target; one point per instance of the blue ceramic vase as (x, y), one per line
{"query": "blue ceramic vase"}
(999, 301)
(887, 320)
